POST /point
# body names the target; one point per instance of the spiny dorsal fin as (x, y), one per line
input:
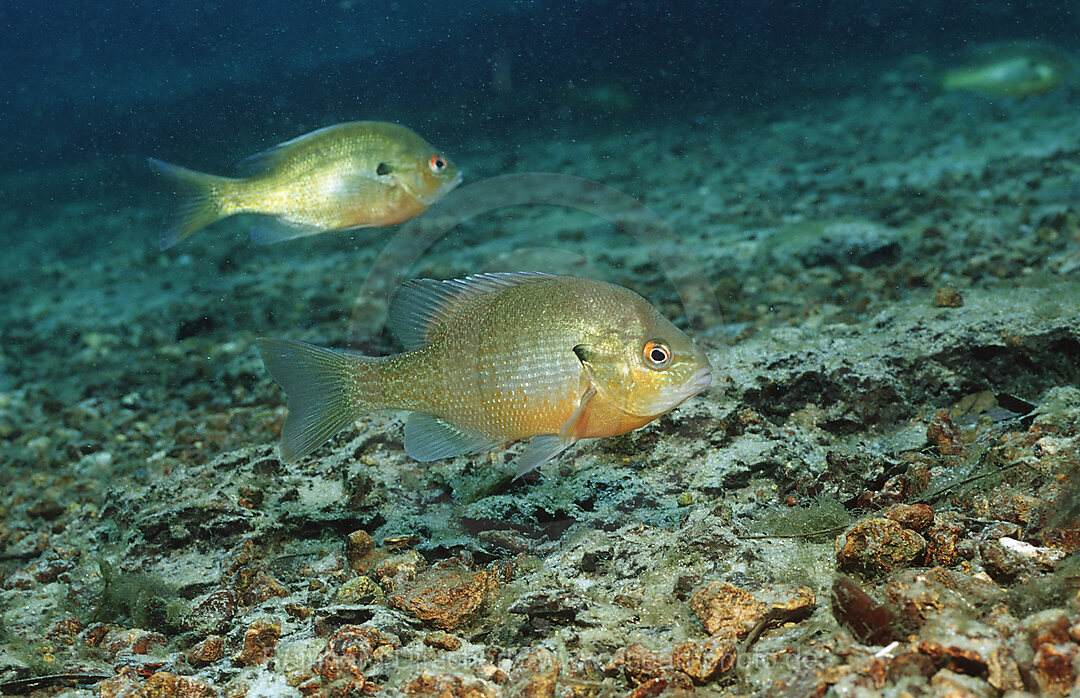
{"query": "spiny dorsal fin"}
(269, 158)
(418, 306)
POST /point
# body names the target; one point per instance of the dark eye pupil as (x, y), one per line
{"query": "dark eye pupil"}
(658, 356)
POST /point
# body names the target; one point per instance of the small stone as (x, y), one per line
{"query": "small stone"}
(124, 685)
(442, 641)
(1003, 564)
(916, 517)
(358, 545)
(165, 685)
(212, 613)
(948, 684)
(868, 620)
(943, 434)
(207, 652)
(638, 662)
(359, 590)
(297, 610)
(119, 642)
(1045, 558)
(704, 661)
(1004, 673)
(728, 611)
(945, 541)
(398, 570)
(878, 546)
(344, 659)
(947, 297)
(260, 639)
(429, 683)
(257, 586)
(536, 673)
(1053, 668)
(446, 595)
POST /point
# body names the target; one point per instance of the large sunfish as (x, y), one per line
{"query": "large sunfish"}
(352, 175)
(496, 357)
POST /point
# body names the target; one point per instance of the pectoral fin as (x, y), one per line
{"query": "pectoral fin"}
(543, 448)
(540, 450)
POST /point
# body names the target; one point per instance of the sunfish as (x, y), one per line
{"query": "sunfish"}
(1011, 69)
(353, 175)
(496, 357)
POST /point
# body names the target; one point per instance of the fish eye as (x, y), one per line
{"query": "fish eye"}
(657, 354)
(437, 163)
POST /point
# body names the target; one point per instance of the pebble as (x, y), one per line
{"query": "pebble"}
(868, 620)
(728, 611)
(445, 596)
(943, 433)
(948, 297)
(429, 683)
(704, 661)
(876, 546)
(166, 685)
(916, 517)
(359, 590)
(207, 652)
(949, 684)
(442, 641)
(344, 659)
(358, 545)
(260, 639)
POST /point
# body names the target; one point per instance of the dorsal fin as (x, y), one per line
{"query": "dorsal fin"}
(418, 306)
(269, 158)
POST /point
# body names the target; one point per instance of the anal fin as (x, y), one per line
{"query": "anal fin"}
(270, 230)
(429, 438)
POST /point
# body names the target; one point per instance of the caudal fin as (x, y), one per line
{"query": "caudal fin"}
(325, 390)
(198, 201)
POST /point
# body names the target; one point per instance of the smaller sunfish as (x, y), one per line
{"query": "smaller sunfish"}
(357, 174)
(493, 358)
(1011, 69)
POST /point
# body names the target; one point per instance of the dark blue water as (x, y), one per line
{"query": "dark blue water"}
(89, 80)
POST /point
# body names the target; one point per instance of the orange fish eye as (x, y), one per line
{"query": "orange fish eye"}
(437, 163)
(657, 354)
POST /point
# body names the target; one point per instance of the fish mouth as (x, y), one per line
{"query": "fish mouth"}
(700, 380)
(448, 187)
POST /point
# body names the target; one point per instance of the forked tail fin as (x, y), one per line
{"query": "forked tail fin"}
(198, 201)
(326, 389)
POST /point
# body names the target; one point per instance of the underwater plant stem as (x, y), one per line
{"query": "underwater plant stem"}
(32, 683)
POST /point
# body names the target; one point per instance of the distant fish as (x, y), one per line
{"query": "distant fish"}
(352, 175)
(601, 96)
(1012, 69)
(493, 358)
